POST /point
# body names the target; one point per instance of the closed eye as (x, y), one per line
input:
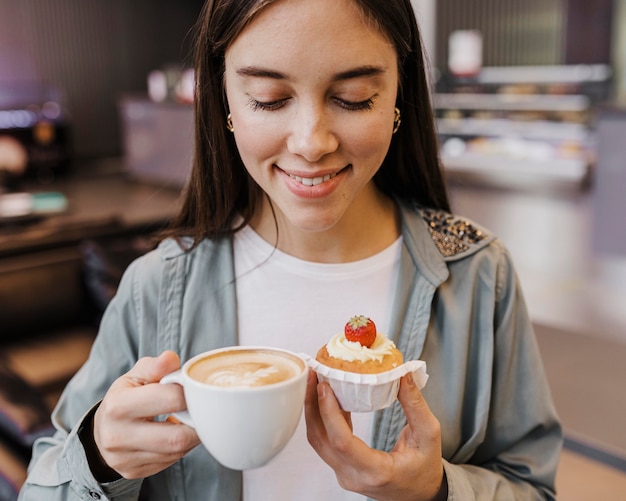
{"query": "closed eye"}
(355, 105)
(366, 104)
(267, 105)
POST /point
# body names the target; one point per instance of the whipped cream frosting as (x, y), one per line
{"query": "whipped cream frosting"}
(340, 347)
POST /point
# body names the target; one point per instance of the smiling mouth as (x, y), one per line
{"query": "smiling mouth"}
(313, 181)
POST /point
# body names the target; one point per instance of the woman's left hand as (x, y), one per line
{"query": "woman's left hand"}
(413, 470)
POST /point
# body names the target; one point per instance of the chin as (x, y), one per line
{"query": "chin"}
(309, 221)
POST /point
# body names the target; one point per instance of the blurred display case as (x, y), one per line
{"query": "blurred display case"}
(158, 139)
(521, 125)
(35, 133)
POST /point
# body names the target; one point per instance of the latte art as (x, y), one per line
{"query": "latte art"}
(245, 368)
(246, 374)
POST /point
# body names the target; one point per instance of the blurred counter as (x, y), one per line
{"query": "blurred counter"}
(99, 203)
(56, 267)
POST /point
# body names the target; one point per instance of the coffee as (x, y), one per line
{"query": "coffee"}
(244, 402)
(246, 368)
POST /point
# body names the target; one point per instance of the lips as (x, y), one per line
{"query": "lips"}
(311, 181)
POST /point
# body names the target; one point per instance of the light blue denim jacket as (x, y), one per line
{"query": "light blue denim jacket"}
(459, 307)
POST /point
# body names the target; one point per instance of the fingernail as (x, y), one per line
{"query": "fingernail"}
(409, 380)
(321, 390)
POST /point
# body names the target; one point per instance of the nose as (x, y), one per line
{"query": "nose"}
(310, 136)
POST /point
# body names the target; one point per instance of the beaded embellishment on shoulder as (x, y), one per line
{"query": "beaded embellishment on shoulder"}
(452, 235)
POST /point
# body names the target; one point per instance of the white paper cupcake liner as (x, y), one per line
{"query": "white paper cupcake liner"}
(367, 392)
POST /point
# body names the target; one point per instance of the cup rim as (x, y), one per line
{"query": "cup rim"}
(230, 389)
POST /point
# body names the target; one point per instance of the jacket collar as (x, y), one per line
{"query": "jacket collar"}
(420, 245)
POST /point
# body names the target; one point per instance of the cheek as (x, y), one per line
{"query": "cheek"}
(256, 143)
(369, 142)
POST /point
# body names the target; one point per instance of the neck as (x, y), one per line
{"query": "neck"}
(367, 228)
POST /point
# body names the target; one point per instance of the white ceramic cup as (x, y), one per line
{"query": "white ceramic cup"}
(241, 424)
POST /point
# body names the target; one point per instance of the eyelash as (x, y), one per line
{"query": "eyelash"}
(347, 105)
(356, 106)
(266, 106)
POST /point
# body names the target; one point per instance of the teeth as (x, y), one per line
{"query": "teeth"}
(312, 181)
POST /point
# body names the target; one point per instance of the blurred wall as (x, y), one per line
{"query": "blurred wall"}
(93, 51)
(588, 31)
(426, 13)
(619, 52)
(530, 32)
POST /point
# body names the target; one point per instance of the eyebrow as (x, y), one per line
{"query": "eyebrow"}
(363, 71)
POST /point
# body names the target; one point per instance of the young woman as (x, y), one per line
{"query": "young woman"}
(316, 194)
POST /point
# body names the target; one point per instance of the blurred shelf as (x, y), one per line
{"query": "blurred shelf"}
(546, 74)
(505, 167)
(521, 125)
(512, 102)
(540, 129)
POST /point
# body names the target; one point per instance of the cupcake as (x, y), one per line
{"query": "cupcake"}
(360, 348)
(363, 367)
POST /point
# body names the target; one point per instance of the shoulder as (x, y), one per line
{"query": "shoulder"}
(454, 237)
(176, 258)
(448, 247)
(184, 249)
(436, 240)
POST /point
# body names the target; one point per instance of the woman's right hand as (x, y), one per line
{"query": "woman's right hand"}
(127, 437)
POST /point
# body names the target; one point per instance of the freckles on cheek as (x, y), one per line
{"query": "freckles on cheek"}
(255, 143)
(370, 142)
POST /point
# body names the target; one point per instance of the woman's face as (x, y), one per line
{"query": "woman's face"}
(311, 87)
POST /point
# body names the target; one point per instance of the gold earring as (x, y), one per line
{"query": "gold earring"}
(229, 123)
(396, 120)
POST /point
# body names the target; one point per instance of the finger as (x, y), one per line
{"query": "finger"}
(152, 369)
(331, 412)
(316, 430)
(143, 402)
(338, 425)
(312, 410)
(423, 427)
(314, 426)
(356, 465)
(310, 398)
(151, 444)
(156, 440)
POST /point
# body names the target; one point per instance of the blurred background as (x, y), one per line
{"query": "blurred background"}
(96, 136)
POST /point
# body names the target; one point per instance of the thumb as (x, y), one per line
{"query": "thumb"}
(422, 424)
(152, 369)
(411, 397)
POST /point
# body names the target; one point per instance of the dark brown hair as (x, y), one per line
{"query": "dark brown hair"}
(220, 188)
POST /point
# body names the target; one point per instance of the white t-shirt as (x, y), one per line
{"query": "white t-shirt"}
(289, 303)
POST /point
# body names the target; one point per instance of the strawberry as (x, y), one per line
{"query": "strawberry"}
(361, 329)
